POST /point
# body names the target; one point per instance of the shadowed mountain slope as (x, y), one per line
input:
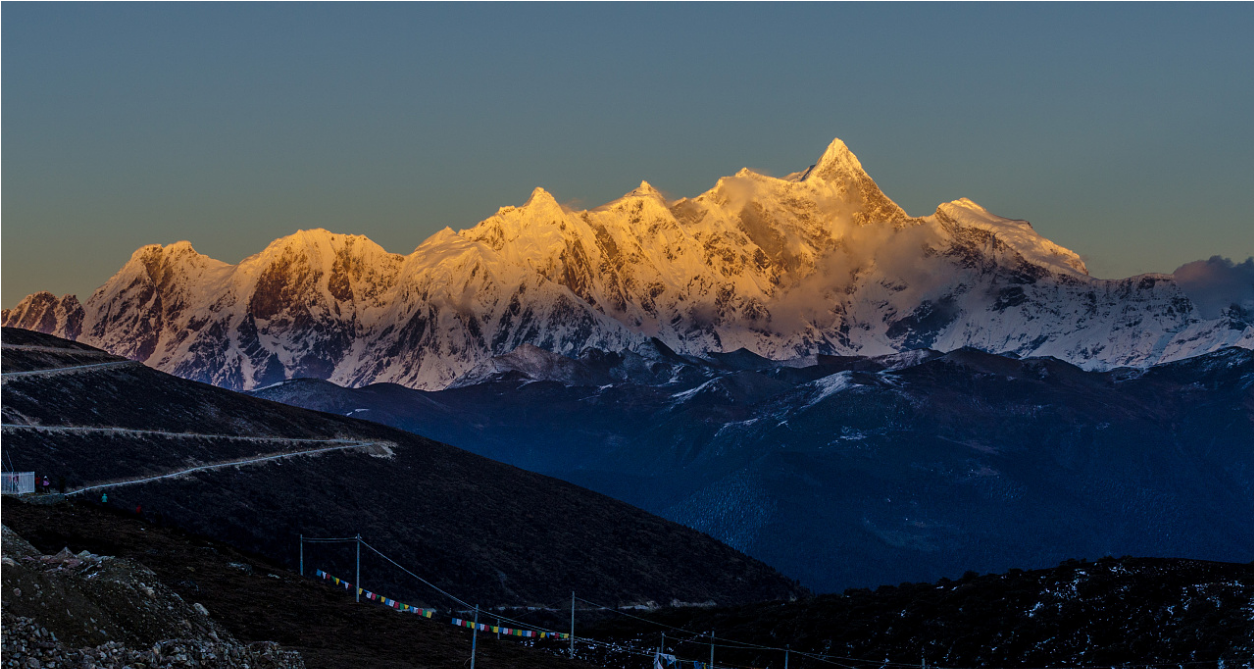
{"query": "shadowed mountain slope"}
(486, 531)
(861, 471)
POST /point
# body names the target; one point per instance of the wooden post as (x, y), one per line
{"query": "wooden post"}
(357, 585)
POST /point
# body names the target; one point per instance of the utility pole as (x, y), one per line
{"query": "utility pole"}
(662, 648)
(302, 554)
(572, 624)
(474, 638)
(357, 585)
(786, 649)
(711, 649)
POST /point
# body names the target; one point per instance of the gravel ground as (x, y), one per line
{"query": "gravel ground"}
(86, 610)
(29, 645)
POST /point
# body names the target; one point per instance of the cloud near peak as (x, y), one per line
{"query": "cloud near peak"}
(1216, 284)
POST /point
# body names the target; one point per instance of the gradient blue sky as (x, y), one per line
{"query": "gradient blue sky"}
(1121, 131)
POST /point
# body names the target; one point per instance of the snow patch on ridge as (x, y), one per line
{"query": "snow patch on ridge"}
(828, 386)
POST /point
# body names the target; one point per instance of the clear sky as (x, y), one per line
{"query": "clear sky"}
(1122, 131)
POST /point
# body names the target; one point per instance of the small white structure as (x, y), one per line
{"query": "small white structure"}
(17, 483)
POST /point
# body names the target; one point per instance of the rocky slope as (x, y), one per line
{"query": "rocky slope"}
(818, 262)
(87, 610)
(257, 600)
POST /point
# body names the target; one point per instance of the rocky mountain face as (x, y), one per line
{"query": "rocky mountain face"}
(44, 312)
(817, 262)
(850, 471)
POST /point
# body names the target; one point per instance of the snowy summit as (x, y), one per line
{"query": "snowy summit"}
(820, 261)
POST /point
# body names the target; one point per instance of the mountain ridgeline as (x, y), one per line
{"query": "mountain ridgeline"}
(819, 262)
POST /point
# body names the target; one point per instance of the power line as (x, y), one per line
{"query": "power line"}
(423, 580)
(731, 644)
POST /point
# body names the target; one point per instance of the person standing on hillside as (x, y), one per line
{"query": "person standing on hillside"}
(47, 484)
(104, 498)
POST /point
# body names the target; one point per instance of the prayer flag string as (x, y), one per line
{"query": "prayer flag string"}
(427, 613)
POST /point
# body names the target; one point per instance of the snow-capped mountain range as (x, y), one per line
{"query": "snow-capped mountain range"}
(817, 262)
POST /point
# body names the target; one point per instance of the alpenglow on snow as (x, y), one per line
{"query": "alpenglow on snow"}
(819, 261)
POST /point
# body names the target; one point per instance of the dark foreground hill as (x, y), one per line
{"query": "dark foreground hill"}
(852, 472)
(487, 532)
(257, 600)
(1126, 613)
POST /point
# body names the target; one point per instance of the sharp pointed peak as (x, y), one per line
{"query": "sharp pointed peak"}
(645, 189)
(837, 145)
(837, 161)
(539, 196)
